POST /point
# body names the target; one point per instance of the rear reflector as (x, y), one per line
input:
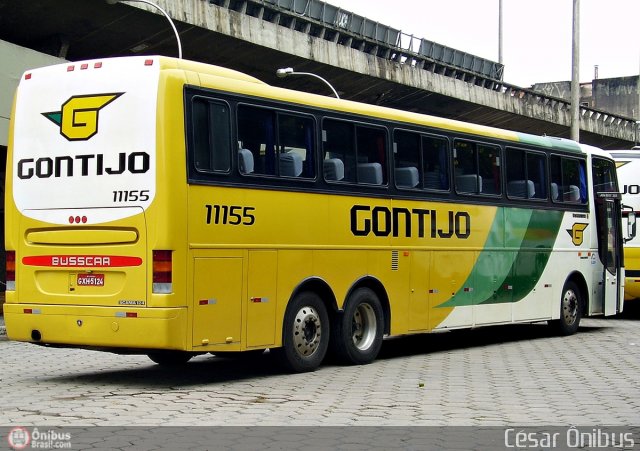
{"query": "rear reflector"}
(162, 272)
(126, 314)
(11, 271)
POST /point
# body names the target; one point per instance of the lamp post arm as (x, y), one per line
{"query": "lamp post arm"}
(335, 93)
(150, 3)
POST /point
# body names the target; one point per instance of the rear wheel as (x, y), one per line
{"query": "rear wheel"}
(170, 358)
(357, 335)
(571, 306)
(305, 333)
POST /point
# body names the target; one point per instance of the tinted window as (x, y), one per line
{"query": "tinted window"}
(211, 136)
(477, 168)
(359, 150)
(526, 174)
(275, 143)
(568, 180)
(421, 161)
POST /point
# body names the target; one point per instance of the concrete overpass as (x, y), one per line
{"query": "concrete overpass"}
(260, 36)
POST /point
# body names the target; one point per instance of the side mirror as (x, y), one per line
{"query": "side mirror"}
(630, 214)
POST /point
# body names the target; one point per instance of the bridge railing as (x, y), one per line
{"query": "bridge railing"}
(329, 22)
(362, 27)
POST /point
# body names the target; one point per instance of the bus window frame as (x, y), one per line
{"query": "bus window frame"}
(582, 160)
(191, 131)
(421, 134)
(277, 112)
(388, 126)
(526, 152)
(500, 171)
(384, 127)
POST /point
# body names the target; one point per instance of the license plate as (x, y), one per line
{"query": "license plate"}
(90, 280)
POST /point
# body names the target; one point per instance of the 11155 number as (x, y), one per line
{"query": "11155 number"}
(230, 214)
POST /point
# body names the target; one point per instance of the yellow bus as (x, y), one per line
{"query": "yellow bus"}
(172, 208)
(628, 168)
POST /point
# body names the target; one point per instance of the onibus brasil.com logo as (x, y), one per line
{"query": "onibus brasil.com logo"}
(78, 116)
(21, 438)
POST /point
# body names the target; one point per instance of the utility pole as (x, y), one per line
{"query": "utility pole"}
(575, 73)
(500, 31)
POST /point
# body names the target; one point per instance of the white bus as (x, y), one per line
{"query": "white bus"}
(628, 168)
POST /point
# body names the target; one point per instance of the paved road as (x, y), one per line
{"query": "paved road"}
(514, 375)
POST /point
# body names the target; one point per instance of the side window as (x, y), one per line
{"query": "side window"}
(568, 180)
(296, 146)
(526, 174)
(275, 143)
(604, 176)
(420, 161)
(211, 136)
(354, 153)
(477, 168)
(435, 153)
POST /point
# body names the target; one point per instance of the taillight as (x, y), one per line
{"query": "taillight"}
(11, 270)
(162, 269)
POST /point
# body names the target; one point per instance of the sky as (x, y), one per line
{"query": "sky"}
(537, 34)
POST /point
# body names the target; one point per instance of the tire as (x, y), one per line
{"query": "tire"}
(571, 306)
(305, 334)
(358, 332)
(170, 358)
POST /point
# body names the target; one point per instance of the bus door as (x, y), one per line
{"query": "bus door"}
(608, 219)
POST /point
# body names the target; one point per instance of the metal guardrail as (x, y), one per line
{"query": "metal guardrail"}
(587, 114)
(403, 45)
(393, 37)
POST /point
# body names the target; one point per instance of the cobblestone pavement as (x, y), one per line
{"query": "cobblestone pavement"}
(507, 375)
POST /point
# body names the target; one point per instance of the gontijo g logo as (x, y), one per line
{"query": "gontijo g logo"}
(78, 118)
(577, 233)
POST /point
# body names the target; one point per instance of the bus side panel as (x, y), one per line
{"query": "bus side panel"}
(262, 296)
(632, 272)
(217, 291)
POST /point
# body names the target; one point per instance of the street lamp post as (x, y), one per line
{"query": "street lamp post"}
(575, 73)
(288, 71)
(150, 3)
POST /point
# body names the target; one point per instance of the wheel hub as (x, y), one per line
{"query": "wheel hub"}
(570, 307)
(363, 327)
(307, 331)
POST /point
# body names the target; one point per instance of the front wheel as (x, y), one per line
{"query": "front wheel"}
(305, 335)
(571, 305)
(357, 335)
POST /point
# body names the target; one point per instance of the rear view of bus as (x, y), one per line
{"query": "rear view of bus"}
(81, 178)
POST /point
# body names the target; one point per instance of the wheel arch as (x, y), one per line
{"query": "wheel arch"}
(378, 288)
(578, 278)
(321, 288)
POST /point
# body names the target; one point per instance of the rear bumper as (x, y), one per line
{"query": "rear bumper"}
(97, 327)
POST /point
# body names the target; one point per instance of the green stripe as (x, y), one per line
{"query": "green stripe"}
(509, 275)
(566, 145)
